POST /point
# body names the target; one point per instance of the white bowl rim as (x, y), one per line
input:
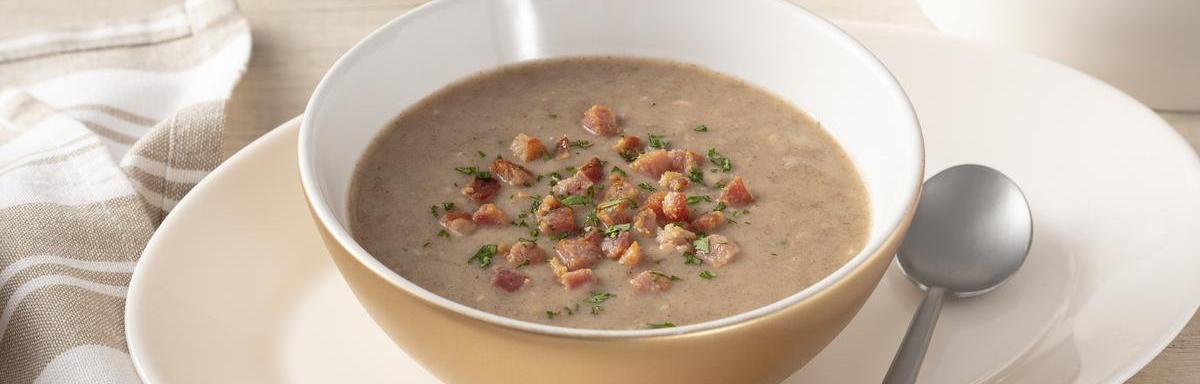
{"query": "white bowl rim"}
(308, 179)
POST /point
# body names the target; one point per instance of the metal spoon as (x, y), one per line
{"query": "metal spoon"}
(971, 232)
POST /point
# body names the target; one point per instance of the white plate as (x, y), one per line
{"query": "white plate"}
(235, 286)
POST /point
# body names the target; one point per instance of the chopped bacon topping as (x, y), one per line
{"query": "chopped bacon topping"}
(525, 251)
(577, 278)
(720, 251)
(580, 252)
(646, 222)
(507, 279)
(651, 282)
(736, 194)
(673, 181)
(512, 173)
(674, 206)
(632, 255)
(549, 203)
(654, 202)
(709, 222)
(614, 214)
(558, 267)
(629, 147)
(458, 223)
(613, 247)
(593, 169)
(527, 148)
(600, 120)
(576, 185)
(618, 188)
(556, 221)
(683, 160)
(489, 214)
(674, 237)
(652, 163)
(562, 149)
(481, 190)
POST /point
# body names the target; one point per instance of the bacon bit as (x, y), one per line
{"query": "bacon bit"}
(709, 222)
(613, 247)
(593, 169)
(651, 282)
(549, 203)
(576, 185)
(618, 188)
(632, 255)
(458, 223)
(629, 147)
(558, 267)
(527, 148)
(600, 120)
(616, 214)
(575, 279)
(580, 252)
(736, 194)
(562, 149)
(511, 173)
(525, 251)
(652, 163)
(482, 190)
(674, 237)
(720, 251)
(507, 279)
(683, 160)
(489, 214)
(646, 222)
(654, 203)
(557, 221)
(674, 206)
(673, 181)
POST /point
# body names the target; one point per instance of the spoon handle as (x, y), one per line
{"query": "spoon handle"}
(912, 350)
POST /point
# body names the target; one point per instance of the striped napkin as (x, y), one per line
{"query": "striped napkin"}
(102, 130)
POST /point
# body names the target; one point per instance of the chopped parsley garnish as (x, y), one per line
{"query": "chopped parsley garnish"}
(701, 244)
(696, 176)
(657, 141)
(740, 213)
(552, 314)
(576, 200)
(570, 169)
(596, 309)
(555, 177)
(537, 202)
(618, 171)
(443, 233)
(665, 324)
(629, 155)
(523, 263)
(583, 144)
(719, 160)
(571, 311)
(559, 236)
(720, 206)
(720, 184)
(692, 259)
(610, 203)
(646, 187)
(612, 231)
(697, 199)
(474, 171)
(448, 206)
(668, 277)
(526, 240)
(484, 255)
(707, 275)
(481, 154)
(434, 211)
(535, 232)
(701, 128)
(599, 297)
(591, 220)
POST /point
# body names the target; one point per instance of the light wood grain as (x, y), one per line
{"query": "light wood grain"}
(295, 42)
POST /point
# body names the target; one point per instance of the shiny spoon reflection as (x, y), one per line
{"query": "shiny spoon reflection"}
(971, 232)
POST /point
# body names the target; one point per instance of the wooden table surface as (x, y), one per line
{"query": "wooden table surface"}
(295, 42)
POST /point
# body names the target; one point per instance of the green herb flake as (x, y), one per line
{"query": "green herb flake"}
(720, 206)
(701, 128)
(484, 255)
(448, 207)
(559, 236)
(537, 202)
(433, 209)
(481, 154)
(668, 277)
(665, 324)
(469, 171)
(613, 230)
(719, 160)
(697, 199)
(535, 232)
(570, 169)
(599, 297)
(555, 177)
(618, 171)
(692, 259)
(582, 144)
(443, 233)
(658, 141)
(483, 174)
(610, 203)
(646, 187)
(576, 200)
(707, 275)
(596, 309)
(591, 220)
(571, 311)
(552, 314)
(696, 176)
(701, 245)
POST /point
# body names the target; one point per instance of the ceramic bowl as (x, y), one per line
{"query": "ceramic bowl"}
(770, 43)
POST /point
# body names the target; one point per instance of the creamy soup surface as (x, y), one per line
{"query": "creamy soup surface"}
(802, 214)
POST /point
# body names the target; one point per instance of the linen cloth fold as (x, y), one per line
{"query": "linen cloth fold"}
(103, 129)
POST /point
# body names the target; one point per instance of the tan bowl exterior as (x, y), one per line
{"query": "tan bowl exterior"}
(461, 349)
